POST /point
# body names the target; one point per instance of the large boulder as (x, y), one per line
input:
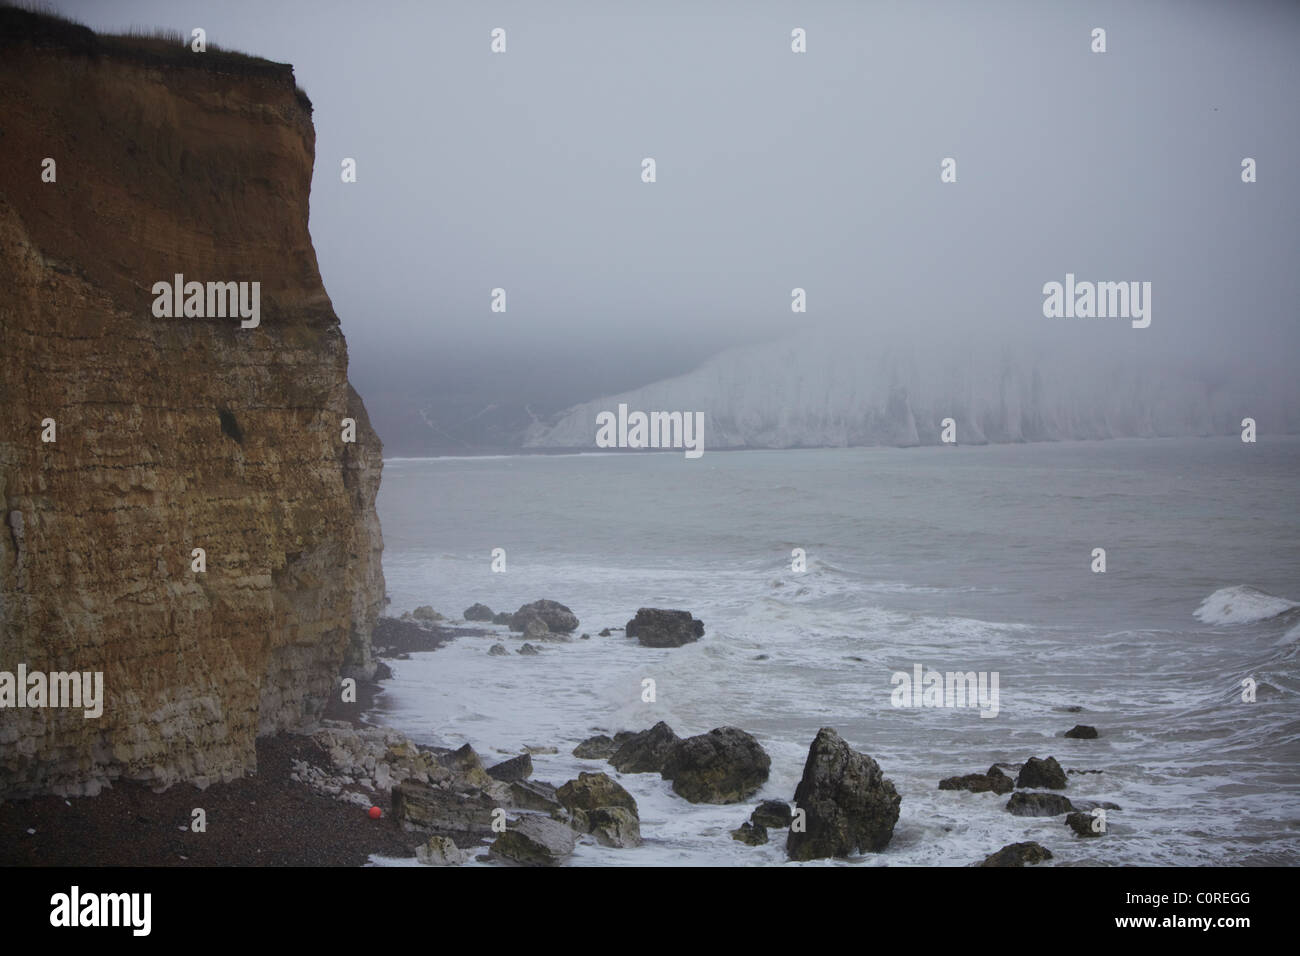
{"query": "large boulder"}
(534, 841)
(1082, 732)
(726, 765)
(478, 612)
(647, 751)
(995, 781)
(1029, 804)
(423, 808)
(655, 627)
(1018, 854)
(849, 805)
(516, 768)
(426, 613)
(592, 790)
(1042, 774)
(553, 614)
(598, 805)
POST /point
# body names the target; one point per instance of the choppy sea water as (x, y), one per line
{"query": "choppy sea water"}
(957, 559)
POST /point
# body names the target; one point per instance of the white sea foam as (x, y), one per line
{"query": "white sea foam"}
(1241, 605)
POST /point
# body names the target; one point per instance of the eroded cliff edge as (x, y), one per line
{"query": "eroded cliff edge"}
(163, 167)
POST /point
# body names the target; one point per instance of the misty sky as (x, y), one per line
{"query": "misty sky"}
(776, 170)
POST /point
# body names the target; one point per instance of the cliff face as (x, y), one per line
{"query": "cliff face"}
(171, 433)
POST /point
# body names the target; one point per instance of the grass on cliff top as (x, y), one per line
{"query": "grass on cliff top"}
(37, 24)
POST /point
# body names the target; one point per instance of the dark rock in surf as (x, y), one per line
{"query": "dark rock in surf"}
(726, 765)
(995, 781)
(1018, 854)
(478, 612)
(1042, 774)
(1082, 732)
(655, 627)
(553, 614)
(1027, 804)
(849, 805)
(647, 751)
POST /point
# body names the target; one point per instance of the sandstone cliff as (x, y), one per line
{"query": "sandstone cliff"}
(171, 433)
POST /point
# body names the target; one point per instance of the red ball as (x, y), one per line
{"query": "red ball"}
(376, 813)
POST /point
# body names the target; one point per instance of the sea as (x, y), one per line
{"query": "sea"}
(1182, 652)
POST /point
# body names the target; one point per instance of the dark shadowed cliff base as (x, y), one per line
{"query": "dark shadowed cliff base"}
(264, 819)
(260, 820)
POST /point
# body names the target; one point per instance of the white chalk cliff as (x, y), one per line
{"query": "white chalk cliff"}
(828, 389)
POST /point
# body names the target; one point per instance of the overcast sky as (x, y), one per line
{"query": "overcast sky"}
(821, 170)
